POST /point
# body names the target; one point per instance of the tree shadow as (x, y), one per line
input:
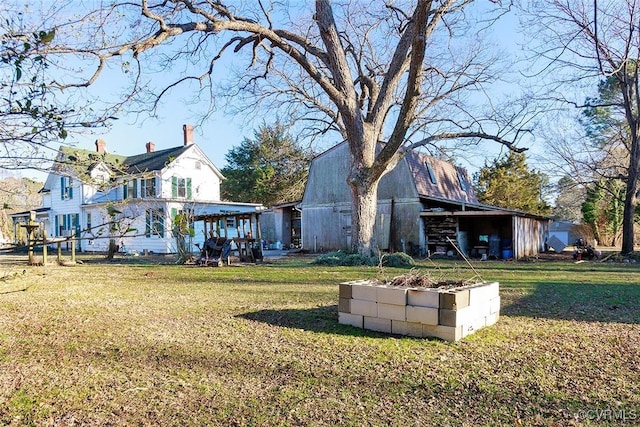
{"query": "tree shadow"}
(579, 302)
(322, 319)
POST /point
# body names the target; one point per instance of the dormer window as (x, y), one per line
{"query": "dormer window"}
(462, 181)
(432, 175)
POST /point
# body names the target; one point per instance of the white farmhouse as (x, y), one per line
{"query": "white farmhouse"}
(85, 190)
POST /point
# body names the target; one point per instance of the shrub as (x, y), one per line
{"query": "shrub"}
(397, 259)
(331, 258)
(357, 259)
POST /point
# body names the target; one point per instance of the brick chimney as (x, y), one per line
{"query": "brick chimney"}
(188, 134)
(151, 147)
(101, 146)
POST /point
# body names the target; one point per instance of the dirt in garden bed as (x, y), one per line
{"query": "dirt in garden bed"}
(415, 280)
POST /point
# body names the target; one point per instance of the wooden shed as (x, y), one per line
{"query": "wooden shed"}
(281, 226)
(481, 231)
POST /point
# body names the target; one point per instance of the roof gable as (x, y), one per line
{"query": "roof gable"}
(79, 163)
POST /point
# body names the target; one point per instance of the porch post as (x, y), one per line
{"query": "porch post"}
(44, 247)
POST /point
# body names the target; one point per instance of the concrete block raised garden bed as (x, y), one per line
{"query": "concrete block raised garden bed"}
(449, 312)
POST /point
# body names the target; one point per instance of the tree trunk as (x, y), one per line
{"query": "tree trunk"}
(364, 175)
(113, 248)
(364, 207)
(628, 224)
(631, 200)
(181, 245)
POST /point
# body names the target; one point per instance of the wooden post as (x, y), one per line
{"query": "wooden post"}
(73, 247)
(258, 229)
(44, 247)
(59, 251)
(259, 236)
(30, 236)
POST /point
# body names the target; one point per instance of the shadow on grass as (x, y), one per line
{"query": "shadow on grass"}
(322, 319)
(580, 302)
(581, 268)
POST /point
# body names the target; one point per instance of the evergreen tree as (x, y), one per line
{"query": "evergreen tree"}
(270, 168)
(509, 183)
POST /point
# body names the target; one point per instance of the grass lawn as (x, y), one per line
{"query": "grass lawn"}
(146, 344)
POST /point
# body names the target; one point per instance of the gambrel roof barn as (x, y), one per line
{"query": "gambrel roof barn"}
(425, 206)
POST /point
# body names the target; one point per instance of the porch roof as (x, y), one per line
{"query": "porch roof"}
(474, 209)
(39, 212)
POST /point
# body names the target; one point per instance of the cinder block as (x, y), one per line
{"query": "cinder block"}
(494, 290)
(494, 305)
(345, 290)
(461, 316)
(484, 292)
(480, 309)
(344, 305)
(391, 295)
(410, 329)
(447, 333)
(377, 324)
(364, 308)
(351, 319)
(424, 315)
(391, 311)
(473, 325)
(492, 319)
(423, 297)
(478, 294)
(364, 292)
(454, 300)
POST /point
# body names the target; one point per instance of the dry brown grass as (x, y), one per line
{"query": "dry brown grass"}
(118, 344)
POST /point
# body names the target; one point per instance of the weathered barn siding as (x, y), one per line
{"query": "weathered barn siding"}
(275, 225)
(528, 236)
(406, 228)
(326, 206)
(327, 179)
(268, 225)
(322, 228)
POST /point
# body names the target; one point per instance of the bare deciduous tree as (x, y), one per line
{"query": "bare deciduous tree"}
(35, 116)
(389, 77)
(587, 44)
